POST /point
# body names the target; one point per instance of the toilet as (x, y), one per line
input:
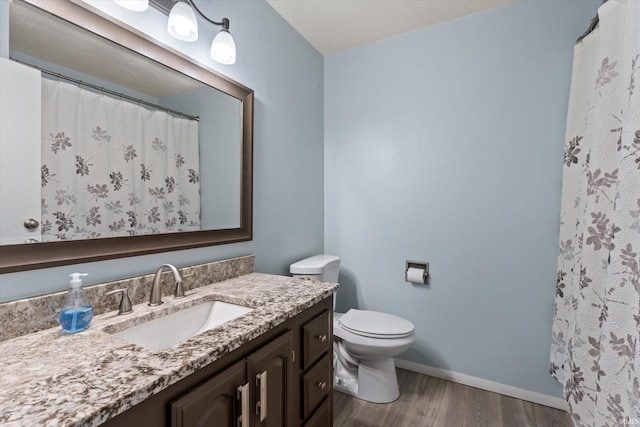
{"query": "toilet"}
(365, 342)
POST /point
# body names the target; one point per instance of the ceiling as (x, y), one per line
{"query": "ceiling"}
(335, 25)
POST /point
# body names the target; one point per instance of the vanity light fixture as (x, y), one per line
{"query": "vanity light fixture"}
(183, 25)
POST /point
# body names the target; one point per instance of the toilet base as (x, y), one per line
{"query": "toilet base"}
(375, 381)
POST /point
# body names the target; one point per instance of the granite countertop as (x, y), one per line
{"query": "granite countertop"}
(50, 378)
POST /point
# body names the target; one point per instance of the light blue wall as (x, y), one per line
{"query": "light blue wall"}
(286, 74)
(446, 145)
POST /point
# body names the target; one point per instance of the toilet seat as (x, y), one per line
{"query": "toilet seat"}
(374, 324)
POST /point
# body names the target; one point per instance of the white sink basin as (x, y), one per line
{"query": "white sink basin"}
(170, 330)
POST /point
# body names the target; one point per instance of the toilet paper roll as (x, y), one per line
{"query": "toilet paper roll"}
(415, 275)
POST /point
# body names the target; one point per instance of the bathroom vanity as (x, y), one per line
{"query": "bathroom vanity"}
(282, 378)
(271, 366)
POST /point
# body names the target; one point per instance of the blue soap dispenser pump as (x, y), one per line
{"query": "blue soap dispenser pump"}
(77, 312)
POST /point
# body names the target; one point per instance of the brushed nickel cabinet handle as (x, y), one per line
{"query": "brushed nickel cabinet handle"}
(322, 338)
(322, 385)
(243, 392)
(261, 405)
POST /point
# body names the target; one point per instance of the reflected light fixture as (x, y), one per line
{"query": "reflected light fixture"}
(135, 5)
(183, 25)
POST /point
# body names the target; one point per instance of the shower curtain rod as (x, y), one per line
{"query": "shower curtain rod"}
(111, 92)
(592, 26)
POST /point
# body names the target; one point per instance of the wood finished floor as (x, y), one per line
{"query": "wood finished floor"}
(432, 402)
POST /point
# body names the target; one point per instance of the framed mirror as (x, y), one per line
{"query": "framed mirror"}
(204, 193)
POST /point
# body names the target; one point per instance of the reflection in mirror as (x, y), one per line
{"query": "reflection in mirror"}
(119, 144)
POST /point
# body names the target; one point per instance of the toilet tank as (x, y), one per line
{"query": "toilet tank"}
(322, 268)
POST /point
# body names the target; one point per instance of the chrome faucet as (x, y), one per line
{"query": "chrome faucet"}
(155, 298)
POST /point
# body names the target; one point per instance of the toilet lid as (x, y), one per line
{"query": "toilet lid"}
(375, 324)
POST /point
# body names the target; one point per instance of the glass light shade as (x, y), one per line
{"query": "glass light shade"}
(223, 48)
(182, 22)
(135, 5)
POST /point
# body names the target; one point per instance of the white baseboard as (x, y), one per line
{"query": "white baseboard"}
(518, 393)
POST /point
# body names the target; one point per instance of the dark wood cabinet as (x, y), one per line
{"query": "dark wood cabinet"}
(214, 403)
(270, 369)
(251, 393)
(285, 376)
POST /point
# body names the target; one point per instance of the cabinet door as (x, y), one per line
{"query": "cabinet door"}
(212, 404)
(269, 370)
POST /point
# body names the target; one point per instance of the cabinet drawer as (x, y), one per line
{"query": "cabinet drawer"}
(316, 385)
(321, 418)
(316, 338)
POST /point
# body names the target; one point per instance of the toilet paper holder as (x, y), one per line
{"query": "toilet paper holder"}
(417, 264)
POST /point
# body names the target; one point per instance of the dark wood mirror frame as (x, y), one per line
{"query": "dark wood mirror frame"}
(32, 256)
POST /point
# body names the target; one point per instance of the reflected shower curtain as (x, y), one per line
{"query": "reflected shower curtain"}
(595, 350)
(113, 168)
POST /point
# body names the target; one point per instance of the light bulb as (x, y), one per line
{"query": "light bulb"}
(135, 5)
(223, 48)
(182, 22)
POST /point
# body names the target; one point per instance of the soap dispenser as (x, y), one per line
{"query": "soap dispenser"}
(77, 312)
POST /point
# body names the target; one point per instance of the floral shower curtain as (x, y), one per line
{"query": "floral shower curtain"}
(113, 168)
(595, 350)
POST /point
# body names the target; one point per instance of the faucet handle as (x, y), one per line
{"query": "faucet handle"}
(125, 302)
